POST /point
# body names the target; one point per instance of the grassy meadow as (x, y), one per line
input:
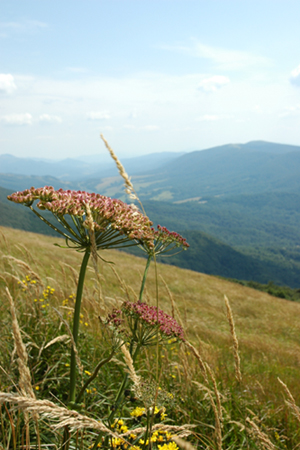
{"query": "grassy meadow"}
(201, 378)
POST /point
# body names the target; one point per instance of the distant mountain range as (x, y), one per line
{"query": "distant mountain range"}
(238, 204)
(84, 167)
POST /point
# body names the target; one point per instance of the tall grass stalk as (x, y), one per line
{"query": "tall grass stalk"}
(143, 383)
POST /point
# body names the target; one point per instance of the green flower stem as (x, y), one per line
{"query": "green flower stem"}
(76, 320)
(118, 400)
(51, 225)
(93, 376)
(144, 277)
(147, 429)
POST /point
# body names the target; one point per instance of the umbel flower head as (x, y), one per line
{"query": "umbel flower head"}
(145, 323)
(166, 240)
(92, 217)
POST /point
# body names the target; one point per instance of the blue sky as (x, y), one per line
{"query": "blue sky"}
(151, 75)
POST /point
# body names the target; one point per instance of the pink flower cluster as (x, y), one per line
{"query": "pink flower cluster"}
(105, 210)
(115, 318)
(166, 237)
(151, 315)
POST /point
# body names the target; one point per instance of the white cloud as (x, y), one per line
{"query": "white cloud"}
(290, 111)
(171, 102)
(295, 76)
(7, 83)
(213, 83)
(98, 115)
(225, 59)
(17, 119)
(23, 26)
(47, 118)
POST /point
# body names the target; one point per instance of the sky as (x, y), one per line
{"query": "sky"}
(151, 75)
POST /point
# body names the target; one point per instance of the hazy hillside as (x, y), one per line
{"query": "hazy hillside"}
(15, 182)
(82, 168)
(231, 169)
(245, 197)
(206, 253)
(20, 217)
(255, 167)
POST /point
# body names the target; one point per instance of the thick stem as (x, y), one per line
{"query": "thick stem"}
(76, 320)
(144, 277)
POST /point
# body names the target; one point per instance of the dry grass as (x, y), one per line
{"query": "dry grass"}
(268, 328)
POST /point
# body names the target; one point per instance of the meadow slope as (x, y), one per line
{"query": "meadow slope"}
(268, 329)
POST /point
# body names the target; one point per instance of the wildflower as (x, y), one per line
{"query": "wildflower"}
(151, 319)
(87, 372)
(132, 436)
(165, 241)
(138, 412)
(112, 221)
(169, 446)
(115, 442)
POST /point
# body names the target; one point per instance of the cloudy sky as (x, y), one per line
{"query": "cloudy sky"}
(151, 75)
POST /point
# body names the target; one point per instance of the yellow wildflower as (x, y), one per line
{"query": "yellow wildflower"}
(138, 412)
(169, 446)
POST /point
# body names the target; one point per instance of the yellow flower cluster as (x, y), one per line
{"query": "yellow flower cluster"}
(27, 281)
(140, 411)
(169, 446)
(47, 293)
(82, 321)
(119, 426)
(66, 301)
(160, 439)
(91, 391)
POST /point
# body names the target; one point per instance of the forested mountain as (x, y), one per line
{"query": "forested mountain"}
(237, 204)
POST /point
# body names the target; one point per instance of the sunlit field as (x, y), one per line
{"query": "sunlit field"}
(204, 400)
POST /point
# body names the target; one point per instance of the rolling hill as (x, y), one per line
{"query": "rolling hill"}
(266, 328)
(238, 204)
